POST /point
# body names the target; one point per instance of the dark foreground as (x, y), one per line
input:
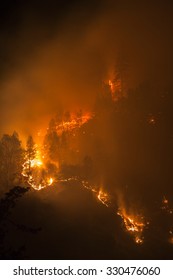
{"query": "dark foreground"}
(67, 222)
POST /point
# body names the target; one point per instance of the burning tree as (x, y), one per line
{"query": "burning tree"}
(30, 152)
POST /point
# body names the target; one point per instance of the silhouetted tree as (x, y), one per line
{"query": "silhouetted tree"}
(51, 143)
(11, 160)
(7, 203)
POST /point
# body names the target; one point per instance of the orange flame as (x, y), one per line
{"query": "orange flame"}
(135, 225)
(34, 176)
(75, 122)
(103, 197)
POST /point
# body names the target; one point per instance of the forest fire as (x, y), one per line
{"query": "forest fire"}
(86, 142)
(134, 225)
(35, 166)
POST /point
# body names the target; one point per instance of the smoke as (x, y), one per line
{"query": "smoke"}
(55, 57)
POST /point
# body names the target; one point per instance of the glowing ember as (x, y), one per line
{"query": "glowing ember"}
(138, 240)
(152, 120)
(165, 201)
(135, 225)
(170, 238)
(165, 206)
(168, 211)
(86, 185)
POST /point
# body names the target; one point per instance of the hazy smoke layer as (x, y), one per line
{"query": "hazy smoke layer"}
(55, 56)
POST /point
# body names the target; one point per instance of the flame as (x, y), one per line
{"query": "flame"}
(34, 175)
(75, 122)
(36, 162)
(103, 197)
(50, 181)
(32, 169)
(135, 225)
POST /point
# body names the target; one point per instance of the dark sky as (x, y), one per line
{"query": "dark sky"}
(55, 54)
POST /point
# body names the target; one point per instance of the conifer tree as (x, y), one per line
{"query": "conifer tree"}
(30, 152)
